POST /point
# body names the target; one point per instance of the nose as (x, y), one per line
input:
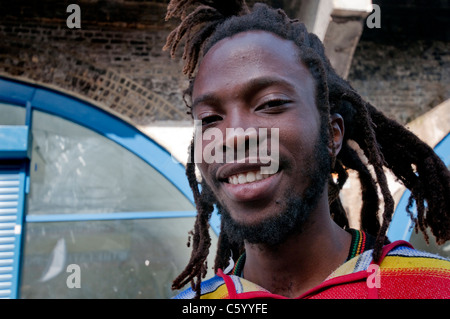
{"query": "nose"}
(241, 138)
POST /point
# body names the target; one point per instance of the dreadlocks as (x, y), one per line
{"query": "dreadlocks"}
(384, 142)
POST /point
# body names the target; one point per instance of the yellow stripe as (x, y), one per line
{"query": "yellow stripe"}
(219, 293)
(222, 293)
(396, 262)
(358, 250)
(344, 269)
(248, 286)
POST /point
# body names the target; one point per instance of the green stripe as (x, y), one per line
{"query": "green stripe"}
(354, 246)
(239, 264)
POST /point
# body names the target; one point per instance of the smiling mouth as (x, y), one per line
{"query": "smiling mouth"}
(249, 182)
(249, 177)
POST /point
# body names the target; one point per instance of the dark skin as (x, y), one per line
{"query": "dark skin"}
(255, 79)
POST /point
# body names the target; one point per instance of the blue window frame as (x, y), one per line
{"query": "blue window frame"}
(35, 98)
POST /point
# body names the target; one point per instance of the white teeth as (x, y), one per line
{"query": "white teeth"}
(249, 177)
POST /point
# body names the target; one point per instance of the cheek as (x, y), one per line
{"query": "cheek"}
(298, 138)
(299, 128)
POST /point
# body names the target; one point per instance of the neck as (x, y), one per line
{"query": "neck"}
(303, 261)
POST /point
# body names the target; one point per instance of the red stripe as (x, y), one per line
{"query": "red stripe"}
(332, 282)
(259, 295)
(389, 247)
(231, 288)
(373, 292)
(335, 281)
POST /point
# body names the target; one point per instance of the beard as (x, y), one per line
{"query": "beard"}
(275, 230)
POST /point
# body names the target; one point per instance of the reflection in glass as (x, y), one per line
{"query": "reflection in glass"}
(418, 242)
(11, 114)
(117, 259)
(75, 170)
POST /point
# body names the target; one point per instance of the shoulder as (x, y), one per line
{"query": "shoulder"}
(399, 259)
(213, 288)
(411, 260)
(409, 273)
(402, 255)
(404, 272)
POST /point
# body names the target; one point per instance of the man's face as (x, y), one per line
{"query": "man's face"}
(255, 80)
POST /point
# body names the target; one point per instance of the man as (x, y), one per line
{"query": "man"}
(286, 233)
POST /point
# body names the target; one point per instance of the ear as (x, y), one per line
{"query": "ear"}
(337, 127)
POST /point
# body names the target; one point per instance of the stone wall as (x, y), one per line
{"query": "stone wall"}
(404, 79)
(114, 61)
(116, 58)
(403, 66)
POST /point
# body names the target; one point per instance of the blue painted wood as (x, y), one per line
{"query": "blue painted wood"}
(14, 141)
(12, 198)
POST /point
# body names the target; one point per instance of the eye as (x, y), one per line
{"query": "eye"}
(209, 119)
(272, 104)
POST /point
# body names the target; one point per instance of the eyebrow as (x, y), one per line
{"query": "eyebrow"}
(254, 85)
(209, 97)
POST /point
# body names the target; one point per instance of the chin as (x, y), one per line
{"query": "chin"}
(272, 226)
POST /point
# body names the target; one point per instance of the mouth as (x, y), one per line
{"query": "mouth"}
(249, 177)
(245, 182)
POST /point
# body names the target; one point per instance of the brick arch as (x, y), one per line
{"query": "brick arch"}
(71, 72)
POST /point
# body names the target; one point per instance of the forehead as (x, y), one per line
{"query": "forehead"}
(249, 55)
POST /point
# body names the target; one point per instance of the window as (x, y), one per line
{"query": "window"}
(99, 195)
(75, 170)
(13, 149)
(117, 258)
(12, 114)
(418, 240)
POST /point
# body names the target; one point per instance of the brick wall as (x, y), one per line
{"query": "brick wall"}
(404, 79)
(116, 59)
(119, 64)
(403, 67)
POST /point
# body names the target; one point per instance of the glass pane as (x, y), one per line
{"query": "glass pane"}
(12, 114)
(419, 243)
(75, 170)
(116, 259)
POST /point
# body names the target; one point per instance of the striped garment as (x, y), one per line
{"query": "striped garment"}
(402, 273)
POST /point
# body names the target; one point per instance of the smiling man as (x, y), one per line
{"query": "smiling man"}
(285, 234)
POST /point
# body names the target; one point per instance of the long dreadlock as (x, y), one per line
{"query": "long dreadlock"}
(384, 142)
